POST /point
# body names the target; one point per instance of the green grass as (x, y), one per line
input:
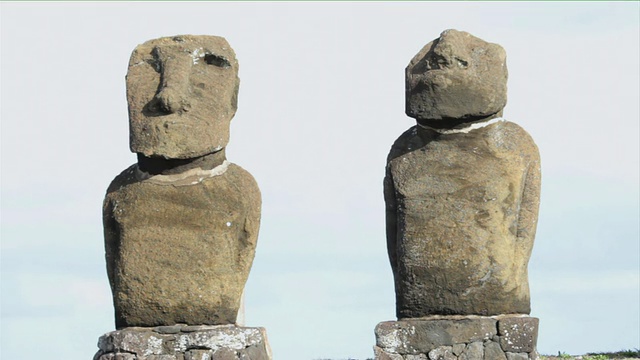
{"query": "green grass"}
(624, 354)
(596, 357)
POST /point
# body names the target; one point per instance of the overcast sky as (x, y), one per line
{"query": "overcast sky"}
(321, 101)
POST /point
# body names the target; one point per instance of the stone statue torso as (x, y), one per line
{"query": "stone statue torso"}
(208, 229)
(461, 212)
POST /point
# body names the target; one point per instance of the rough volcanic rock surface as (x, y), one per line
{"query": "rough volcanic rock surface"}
(456, 76)
(461, 219)
(180, 253)
(458, 338)
(187, 343)
(422, 336)
(182, 93)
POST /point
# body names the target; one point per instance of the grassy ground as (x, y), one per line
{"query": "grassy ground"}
(625, 354)
(620, 355)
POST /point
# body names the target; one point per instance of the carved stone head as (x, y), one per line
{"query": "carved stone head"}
(182, 93)
(457, 76)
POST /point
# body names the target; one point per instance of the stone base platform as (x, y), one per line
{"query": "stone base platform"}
(183, 342)
(503, 337)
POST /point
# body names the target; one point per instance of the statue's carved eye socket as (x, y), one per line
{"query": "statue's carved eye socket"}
(217, 60)
(436, 62)
(155, 64)
(462, 63)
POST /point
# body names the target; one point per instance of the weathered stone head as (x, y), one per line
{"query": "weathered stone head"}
(456, 76)
(182, 93)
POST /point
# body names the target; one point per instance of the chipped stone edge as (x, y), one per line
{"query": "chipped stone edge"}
(212, 337)
(466, 130)
(387, 345)
(197, 174)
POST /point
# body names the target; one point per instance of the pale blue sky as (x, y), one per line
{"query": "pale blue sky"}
(321, 102)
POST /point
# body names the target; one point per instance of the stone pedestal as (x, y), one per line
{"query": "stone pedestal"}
(503, 337)
(183, 342)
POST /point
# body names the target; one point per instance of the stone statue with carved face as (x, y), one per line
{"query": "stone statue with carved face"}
(181, 225)
(461, 188)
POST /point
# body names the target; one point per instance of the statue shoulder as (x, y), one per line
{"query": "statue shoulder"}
(408, 141)
(243, 180)
(513, 137)
(126, 177)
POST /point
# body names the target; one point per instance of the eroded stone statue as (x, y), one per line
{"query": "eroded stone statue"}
(461, 187)
(181, 225)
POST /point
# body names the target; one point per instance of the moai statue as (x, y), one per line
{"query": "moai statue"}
(462, 193)
(181, 225)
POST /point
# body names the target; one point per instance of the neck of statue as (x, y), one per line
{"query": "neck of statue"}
(162, 166)
(451, 124)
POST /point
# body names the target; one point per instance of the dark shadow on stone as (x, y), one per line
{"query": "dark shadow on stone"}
(454, 123)
(159, 165)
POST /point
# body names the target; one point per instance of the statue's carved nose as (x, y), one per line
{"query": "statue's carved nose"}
(169, 100)
(172, 95)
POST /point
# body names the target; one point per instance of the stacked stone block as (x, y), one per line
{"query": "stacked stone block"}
(184, 342)
(508, 337)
